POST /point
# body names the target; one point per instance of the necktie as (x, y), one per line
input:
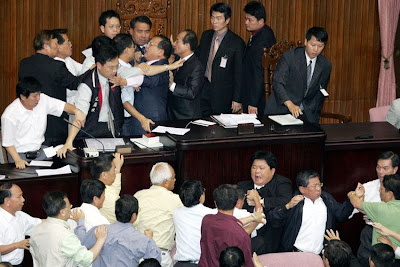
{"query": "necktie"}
(143, 49)
(309, 76)
(110, 121)
(210, 62)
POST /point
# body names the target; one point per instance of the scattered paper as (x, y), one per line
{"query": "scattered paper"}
(141, 142)
(286, 119)
(232, 120)
(108, 143)
(51, 151)
(46, 172)
(41, 163)
(203, 123)
(171, 130)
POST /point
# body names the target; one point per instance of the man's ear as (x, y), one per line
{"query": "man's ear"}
(102, 28)
(301, 188)
(133, 218)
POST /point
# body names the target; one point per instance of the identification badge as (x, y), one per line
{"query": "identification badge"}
(223, 62)
(324, 92)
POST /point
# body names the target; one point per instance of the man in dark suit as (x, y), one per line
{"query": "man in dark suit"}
(221, 53)
(140, 28)
(186, 84)
(54, 78)
(151, 100)
(272, 190)
(253, 93)
(301, 78)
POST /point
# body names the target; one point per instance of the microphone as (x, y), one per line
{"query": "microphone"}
(80, 129)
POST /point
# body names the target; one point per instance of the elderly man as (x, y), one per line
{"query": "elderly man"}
(124, 246)
(223, 230)
(386, 212)
(387, 163)
(273, 190)
(186, 84)
(308, 215)
(24, 122)
(107, 169)
(54, 244)
(15, 224)
(156, 207)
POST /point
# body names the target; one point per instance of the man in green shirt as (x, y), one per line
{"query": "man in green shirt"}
(386, 212)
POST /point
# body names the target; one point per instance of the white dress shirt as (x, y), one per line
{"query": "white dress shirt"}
(93, 216)
(127, 93)
(311, 234)
(75, 68)
(25, 128)
(13, 229)
(173, 85)
(187, 223)
(243, 213)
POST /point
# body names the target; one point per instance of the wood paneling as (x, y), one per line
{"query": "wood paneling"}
(353, 28)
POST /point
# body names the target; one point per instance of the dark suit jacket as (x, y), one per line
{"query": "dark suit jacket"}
(276, 193)
(290, 83)
(291, 219)
(253, 92)
(184, 102)
(55, 79)
(225, 82)
(151, 100)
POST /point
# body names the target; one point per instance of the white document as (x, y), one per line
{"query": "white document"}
(171, 130)
(109, 143)
(41, 163)
(46, 172)
(203, 123)
(232, 120)
(51, 151)
(141, 142)
(286, 119)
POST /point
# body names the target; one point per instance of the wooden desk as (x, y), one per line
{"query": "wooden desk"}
(215, 155)
(348, 161)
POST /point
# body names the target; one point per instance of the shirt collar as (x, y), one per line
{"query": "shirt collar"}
(90, 207)
(258, 186)
(123, 63)
(58, 221)
(308, 58)
(152, 61)
(8, 216)
(255, 32)
(187, 57)
(158, 187)
(221, 35)
(60, 59)
(102, 79)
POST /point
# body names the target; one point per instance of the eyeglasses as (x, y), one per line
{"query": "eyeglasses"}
(315, 186)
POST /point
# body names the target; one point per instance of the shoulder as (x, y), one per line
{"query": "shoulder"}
(207, 33)
(11, 109)
(234, 38)
(246, 184)
(323, 60)
(282, 179)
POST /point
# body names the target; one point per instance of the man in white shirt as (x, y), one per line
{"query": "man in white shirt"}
(156, 207)
(107, 169)
(387, 164)
(15, 224)
(93, 196)
(24, 122)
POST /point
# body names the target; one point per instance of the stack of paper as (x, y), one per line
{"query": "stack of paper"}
(232, 120)
(171, 130)
(286, 119)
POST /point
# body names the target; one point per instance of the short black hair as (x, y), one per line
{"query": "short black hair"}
(390, 155)
(392, 183)
(91, 188)
(382, 255)
(99, 42)
(223, 8)
(107, 15)
(150, 263)
(303, 177)
(53, 203)
(142, 19)
(41, 38)
(241, 192)
(190, 192)
(106, 53)
(125, 207)
(231, 257)
(319, 33)
(57, 34)
(256, 9)
(102, 163)
(191, 39)
(5, 191)
(264, 155)
(122, 41)
(27, 86)
(225, 197)
(338, 253)
(165, 44)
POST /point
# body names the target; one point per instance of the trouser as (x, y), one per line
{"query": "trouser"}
(41, 155)
(185, 264)
(364, 250)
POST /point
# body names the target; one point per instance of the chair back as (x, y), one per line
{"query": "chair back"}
(290, 259)
(378, 113)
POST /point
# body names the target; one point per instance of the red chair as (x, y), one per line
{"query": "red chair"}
(290, 259)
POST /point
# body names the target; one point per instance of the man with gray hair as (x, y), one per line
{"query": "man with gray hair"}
(156, 207)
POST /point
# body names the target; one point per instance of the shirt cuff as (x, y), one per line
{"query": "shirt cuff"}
(172, 87)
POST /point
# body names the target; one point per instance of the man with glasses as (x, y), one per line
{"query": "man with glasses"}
(307, 216)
